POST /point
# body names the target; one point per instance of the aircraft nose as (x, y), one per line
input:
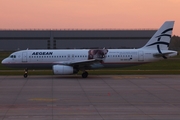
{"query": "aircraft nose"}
(4, 61)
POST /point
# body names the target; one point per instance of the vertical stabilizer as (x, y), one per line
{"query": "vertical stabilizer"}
(161, 39)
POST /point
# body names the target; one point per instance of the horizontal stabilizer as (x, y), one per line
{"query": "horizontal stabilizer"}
(162, 54)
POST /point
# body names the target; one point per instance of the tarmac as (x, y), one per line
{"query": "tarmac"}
(98, 97)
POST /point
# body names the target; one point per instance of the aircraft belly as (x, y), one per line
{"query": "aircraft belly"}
(30, 66)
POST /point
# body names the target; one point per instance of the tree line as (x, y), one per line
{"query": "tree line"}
(175, 43)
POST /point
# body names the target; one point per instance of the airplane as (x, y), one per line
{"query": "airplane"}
(71, 61)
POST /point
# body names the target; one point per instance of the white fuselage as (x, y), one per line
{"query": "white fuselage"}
(45, 59)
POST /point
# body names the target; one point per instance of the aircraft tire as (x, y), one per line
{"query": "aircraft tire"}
(85, 74)
(25, 75)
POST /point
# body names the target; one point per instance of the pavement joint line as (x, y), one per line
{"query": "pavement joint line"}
(52, 88)
(170, 88)
(136, 105)
(15, 99)
(89, 99)
(15, 103)
(124, 98)
(156, 95)
(147, 92)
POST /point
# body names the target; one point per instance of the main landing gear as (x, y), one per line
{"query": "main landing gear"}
(85, 74)
(26, 73)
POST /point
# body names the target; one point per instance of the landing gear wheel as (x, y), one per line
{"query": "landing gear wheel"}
(85, 74)
(25, 75)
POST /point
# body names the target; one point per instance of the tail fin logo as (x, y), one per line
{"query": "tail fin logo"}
(159, 38)
(159, 42)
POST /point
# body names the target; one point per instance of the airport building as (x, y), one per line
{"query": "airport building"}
(12, 40)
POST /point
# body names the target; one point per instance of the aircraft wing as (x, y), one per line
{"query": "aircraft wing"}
(82, 64)
(85, 62)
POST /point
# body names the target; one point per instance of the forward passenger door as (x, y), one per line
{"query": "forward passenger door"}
(24, 57)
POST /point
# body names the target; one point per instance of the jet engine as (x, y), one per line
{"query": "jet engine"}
(62, 70)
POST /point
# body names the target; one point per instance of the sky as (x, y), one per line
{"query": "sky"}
(88, 14)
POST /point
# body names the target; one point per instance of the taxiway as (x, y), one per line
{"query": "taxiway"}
(124, 97)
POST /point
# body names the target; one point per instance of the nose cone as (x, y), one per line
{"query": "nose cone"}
(3, 62)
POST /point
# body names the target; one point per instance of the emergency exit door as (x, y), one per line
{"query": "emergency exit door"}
(140, 56)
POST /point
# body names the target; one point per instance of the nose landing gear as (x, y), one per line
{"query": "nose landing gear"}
(26, 73)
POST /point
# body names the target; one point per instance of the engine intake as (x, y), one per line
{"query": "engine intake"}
(63, 70)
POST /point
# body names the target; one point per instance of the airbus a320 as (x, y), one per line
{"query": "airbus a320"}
(71, 61)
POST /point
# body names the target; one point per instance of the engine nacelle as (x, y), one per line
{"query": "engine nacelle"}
(62, 70)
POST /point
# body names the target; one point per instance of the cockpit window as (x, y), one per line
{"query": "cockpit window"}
(13, 56)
